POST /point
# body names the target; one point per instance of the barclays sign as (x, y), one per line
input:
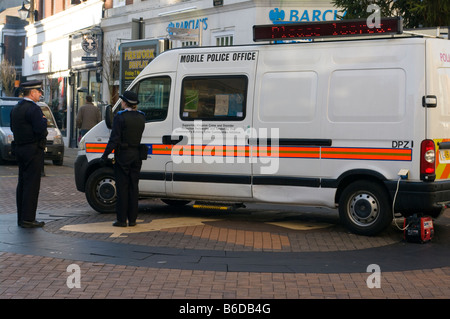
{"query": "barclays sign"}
(278, 15)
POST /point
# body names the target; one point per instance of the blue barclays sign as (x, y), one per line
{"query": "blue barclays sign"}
(190, 24)
(280, 16)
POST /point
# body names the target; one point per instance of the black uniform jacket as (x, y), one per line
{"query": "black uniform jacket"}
(123, 135)
(28, 123)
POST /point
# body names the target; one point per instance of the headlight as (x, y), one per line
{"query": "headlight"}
(82, 144)
(9, 138)
(57, 139)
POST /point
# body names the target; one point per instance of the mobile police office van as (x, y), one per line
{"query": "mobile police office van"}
(362, 125)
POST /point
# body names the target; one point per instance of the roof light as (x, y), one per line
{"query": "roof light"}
(292, 31)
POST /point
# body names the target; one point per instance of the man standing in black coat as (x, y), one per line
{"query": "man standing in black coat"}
(128, 126)
(29, 126)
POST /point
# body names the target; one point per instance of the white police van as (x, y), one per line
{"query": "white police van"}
(360, 124)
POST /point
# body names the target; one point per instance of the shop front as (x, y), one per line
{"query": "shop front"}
(85, 73)
(43, 63)
(211, 23)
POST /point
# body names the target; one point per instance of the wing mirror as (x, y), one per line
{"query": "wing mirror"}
(109, 116)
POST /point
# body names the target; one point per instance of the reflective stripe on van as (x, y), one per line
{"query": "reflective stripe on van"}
(383, 154)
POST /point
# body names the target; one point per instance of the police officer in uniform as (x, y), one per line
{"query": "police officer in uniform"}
(128, 126)
(29, 126)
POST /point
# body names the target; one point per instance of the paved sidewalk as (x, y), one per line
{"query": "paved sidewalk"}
(26, 276)
(182, 253)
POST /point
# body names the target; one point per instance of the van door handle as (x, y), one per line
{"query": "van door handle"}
(172, 140)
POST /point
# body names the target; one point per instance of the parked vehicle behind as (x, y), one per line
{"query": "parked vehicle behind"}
(54, 150)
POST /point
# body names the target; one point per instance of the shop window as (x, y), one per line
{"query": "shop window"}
(214, 98)
(58, 102)
(224, 40)
(154, 94)
(95, 85)
(189, 44)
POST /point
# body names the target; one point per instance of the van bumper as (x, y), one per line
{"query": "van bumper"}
(54, 152)
(6, 153)
(80, 167)
(428, 198)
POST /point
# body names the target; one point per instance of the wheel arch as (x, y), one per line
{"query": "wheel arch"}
(94, 165)
(351, 176)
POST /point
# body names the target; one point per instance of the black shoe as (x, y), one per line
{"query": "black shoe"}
(119, 224)
(131, 223)
(33, 224)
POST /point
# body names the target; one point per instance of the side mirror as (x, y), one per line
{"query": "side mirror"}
(108, 116)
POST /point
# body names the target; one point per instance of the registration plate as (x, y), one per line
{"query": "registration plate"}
(444, 156)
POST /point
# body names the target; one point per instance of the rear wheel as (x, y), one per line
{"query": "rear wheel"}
(364, 208)
(101, 191)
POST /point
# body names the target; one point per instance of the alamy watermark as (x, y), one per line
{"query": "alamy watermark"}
(74, 279)
(223, 144)
(374, 279)
(374, 20)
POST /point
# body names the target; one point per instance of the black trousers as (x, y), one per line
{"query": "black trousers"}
(30, 158)
(126, 171)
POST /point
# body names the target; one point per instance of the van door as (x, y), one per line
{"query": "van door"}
(155, 94)
(437, 102)
(214, 118)
(286, 165)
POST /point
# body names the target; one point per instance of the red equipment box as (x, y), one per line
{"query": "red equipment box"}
(418, 229)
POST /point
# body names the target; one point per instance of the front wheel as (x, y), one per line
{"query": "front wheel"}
(101, 191)
(364, 208)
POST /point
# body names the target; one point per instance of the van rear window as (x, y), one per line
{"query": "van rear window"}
(214, 98)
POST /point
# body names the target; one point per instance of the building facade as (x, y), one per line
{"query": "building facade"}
(72, 46)
(59, 52)
(12, 45)
(212, 22)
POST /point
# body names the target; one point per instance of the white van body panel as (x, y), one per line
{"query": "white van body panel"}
(313, 118)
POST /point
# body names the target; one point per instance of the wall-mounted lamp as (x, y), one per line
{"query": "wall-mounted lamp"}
(24, 13)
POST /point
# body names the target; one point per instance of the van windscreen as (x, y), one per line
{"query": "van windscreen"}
(5, 111)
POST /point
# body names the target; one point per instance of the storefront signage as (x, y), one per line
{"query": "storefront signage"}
(134, 57)
(90, 44)
(190, 24)
(40, 63)
(278, 15)
(86, 48)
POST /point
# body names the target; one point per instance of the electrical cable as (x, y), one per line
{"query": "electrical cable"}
(393, 205)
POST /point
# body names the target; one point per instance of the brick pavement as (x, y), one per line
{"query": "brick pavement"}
(25, 276)
(41, 277)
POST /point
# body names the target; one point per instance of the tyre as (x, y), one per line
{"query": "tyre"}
(101, 191)
(364, 207)
(58, 162)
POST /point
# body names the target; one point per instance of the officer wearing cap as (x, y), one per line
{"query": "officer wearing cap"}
(127, 128)
(29, 126)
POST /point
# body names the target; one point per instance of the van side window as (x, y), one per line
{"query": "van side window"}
(153, 94)
(214, 98)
